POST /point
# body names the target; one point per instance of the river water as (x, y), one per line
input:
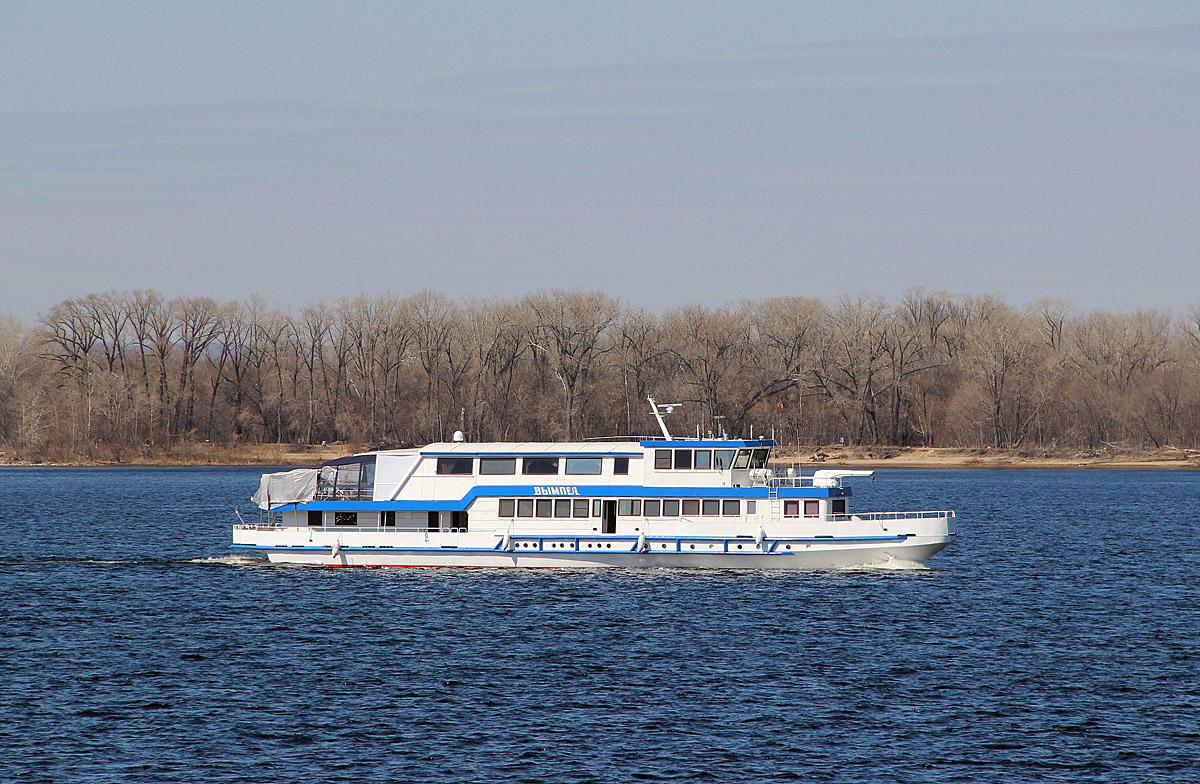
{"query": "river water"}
(1057, 640)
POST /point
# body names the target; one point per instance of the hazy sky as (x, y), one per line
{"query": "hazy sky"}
(663, 152)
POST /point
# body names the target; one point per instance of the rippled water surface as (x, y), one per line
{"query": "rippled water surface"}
(1057, 640)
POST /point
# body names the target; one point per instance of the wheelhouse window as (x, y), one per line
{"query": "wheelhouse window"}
(508, 507)
(791, 508)
(455, 465)
(723, 458)
(347, 479)
(703, 458)
(711, 507)
(493, 466)
(539, 465)
(838, 506)
(584, 465)
(620, 465)
(743, 459)
(812, 508)
(759, 459)
(683, 458)
(662, 459)
(731, 508)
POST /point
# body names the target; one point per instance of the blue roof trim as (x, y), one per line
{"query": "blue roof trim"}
(710, 443)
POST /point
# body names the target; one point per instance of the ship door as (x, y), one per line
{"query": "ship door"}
(609, 518)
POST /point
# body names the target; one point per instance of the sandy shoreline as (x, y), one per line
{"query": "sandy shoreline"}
(878, 457)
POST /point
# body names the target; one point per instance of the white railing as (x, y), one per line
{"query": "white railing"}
(850, 518)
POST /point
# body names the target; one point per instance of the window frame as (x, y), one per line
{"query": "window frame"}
(495, 462)
(592, 462)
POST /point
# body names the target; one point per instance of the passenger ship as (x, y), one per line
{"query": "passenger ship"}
(653, 502)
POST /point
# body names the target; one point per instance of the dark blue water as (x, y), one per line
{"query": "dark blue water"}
(1057, 640)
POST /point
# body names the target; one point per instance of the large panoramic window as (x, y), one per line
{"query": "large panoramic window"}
(455, 465)
(583, 465)
(497, 465)
(539, 465)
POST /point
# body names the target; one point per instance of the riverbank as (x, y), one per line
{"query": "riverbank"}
(210, 454)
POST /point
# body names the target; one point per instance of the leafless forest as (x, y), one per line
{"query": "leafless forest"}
(127, 374)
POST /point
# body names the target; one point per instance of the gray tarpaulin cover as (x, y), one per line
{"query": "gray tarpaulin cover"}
(286, 487)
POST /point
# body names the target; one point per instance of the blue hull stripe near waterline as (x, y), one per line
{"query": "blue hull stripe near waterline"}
(677, 544)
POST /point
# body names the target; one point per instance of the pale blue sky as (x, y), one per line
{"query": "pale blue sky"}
(666, 153)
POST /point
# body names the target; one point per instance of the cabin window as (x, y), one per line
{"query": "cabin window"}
(691, 507)
(759, 460)
(458, 520)
(539, 465)
(711, 507)
(731, 507)
(683, 458)
(345, 518)
(596, 508)
(434, 521)
(454, 465)
(671, 508)
(580, 508)
(662, 459)
(562, 507)
(703, 458)
(812, 508)
(508, 507)
(545, 507)
(621, 465)
(653, 508)
(492, 466)
(723, 458)
(583, 465)
(314, 518)
(629, 507)
(791, 508)
(389, 518)
(525, 507)
(839, 506)
(751, 507)
(743, 459)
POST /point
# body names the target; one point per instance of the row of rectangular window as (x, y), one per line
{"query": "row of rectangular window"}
(813, 508)
(626, 507)
(703, 459)
(530, 466)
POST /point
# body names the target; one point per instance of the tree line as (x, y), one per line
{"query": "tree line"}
(124, 373)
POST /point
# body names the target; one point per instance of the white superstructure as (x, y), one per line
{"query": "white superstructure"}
(653, 502)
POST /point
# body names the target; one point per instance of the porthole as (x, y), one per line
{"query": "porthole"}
(692, 546)
(664, 547)
(789, 547)
(609, 546)
(739, 547)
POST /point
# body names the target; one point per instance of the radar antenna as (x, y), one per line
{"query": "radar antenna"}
(662, 408)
